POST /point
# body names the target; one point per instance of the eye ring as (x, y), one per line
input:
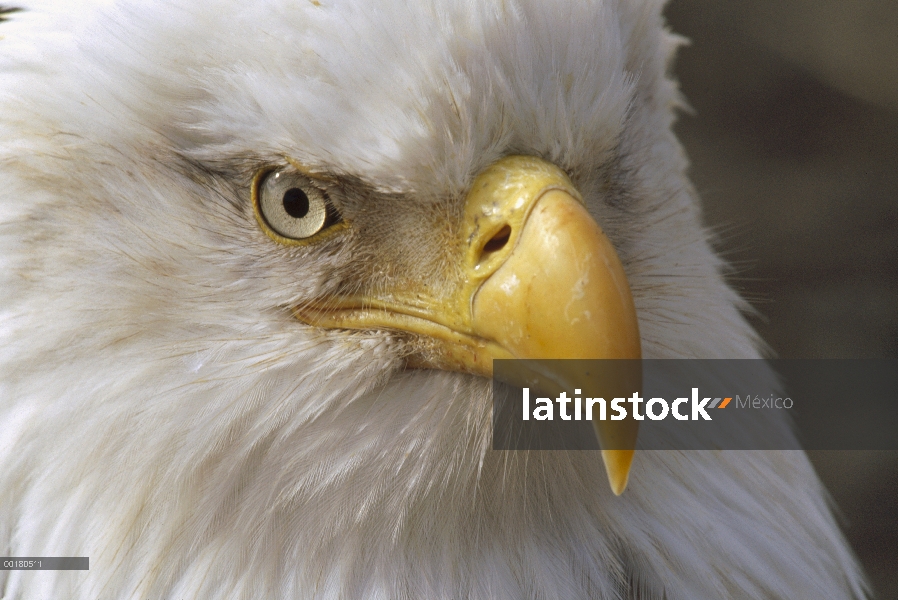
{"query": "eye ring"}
(291, 209)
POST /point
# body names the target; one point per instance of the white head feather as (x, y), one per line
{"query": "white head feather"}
(163, 413)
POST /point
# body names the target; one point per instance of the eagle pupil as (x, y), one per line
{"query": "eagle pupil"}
(296, 203)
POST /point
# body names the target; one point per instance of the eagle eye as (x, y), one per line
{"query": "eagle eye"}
(290, 207)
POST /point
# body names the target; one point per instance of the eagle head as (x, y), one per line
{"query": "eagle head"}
(258, 258)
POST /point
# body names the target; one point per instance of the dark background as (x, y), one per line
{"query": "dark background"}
(794, 149)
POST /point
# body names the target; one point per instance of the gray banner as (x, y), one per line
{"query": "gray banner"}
(782, 404)
(44, 563)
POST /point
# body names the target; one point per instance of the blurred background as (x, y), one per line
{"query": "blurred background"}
(794, 149)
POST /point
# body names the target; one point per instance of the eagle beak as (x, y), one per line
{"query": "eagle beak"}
(540, 280)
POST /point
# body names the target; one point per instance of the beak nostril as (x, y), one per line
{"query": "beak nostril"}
(498, 241)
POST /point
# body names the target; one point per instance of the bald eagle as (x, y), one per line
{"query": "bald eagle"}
(256, 259)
